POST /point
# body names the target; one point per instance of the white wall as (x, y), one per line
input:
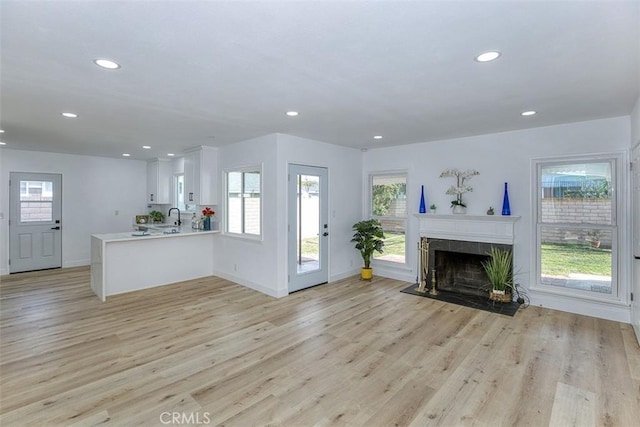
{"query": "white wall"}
(503, 157)
(635, 124)
(248, 262)
(93, 188)
(262, 265)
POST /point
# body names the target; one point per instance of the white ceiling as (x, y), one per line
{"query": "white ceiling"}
(217, 72)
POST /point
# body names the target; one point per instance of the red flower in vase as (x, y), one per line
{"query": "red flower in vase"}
(208, 212)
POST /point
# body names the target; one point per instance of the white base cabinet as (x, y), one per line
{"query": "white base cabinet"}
(122, 263)
(201, 176)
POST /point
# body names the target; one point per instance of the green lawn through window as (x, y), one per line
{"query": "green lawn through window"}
(562, 260)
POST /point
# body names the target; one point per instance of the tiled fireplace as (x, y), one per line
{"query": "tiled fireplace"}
(459, 243)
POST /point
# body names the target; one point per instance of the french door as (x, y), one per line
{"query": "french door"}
(308, 227)
(35, 213)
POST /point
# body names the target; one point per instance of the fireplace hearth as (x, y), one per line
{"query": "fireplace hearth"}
(452, 248)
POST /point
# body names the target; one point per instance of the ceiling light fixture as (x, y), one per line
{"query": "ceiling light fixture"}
(3, 143)
(126, 155)
(146, 147)
(292, 113)
(70, 115)
(106, 63)
(528, 113)
(490, 55)
(170, 154)
(1, 130)
(377, 137)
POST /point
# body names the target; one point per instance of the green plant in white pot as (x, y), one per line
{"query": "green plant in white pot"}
(499, 269)
(156, 217)
(368, 238)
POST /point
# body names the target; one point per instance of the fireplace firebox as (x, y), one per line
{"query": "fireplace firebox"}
(458, 265)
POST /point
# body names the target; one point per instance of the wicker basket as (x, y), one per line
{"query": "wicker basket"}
(500, 297)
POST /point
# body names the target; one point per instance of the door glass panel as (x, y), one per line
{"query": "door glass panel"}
(308, 213)
(36, 201)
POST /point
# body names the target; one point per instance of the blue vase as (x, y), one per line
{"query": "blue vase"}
(207, 224)
(423, 204)
(506, 209)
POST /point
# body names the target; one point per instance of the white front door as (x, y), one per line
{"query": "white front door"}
(635, 199)
(308, 227)
(35, 216)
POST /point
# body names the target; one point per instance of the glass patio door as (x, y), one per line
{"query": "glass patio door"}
(308, 227)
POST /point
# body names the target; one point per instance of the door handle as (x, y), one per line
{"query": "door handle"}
(325, 234)
(55, 228)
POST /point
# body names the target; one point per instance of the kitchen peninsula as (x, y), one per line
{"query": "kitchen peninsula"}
(123, 262)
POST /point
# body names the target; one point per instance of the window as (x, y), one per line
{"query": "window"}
(244, 202)
(389, 206)
(577, 226)
(36, 201)
(178, 192)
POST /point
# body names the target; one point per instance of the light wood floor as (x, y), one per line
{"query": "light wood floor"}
(348, 353)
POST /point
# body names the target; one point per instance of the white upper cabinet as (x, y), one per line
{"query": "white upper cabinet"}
(158, 181)
(200, 176)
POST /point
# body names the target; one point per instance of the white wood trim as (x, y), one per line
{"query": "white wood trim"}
(470, 228)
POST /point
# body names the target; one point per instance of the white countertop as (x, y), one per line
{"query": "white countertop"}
(153, 234)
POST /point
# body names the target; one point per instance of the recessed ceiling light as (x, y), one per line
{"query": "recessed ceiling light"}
(490, 55)
(3, 143)
(377, 137)
(146, 147)
(170, 154)
(1, 130)
(106, 63)
(528, 113)
(126, 155)
(70, 115)
(292, 113)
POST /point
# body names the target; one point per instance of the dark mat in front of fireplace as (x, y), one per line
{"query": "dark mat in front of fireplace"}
(473, 301)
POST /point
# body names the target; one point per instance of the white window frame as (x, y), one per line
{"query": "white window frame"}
(617, 175)
(243, 169)
(382, 262)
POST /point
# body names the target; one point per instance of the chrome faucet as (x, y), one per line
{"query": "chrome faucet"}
(169, 214)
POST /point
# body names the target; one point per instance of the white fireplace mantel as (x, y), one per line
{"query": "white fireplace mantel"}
(471, 228)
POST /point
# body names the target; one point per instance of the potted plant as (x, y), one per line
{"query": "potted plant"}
(432, 208)
(460, 188)
(499, 269)
(368, 238)
(156, 216)
(594, 238)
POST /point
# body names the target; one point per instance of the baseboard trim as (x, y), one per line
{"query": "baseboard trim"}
(249, 284)
(618, 313)
(345, 275)
(76, 263)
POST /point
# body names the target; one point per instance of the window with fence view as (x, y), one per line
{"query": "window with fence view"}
(576, 226)
(244, 202)
(389, 206)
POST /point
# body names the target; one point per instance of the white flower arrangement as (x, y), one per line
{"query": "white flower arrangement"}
(460, 188)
